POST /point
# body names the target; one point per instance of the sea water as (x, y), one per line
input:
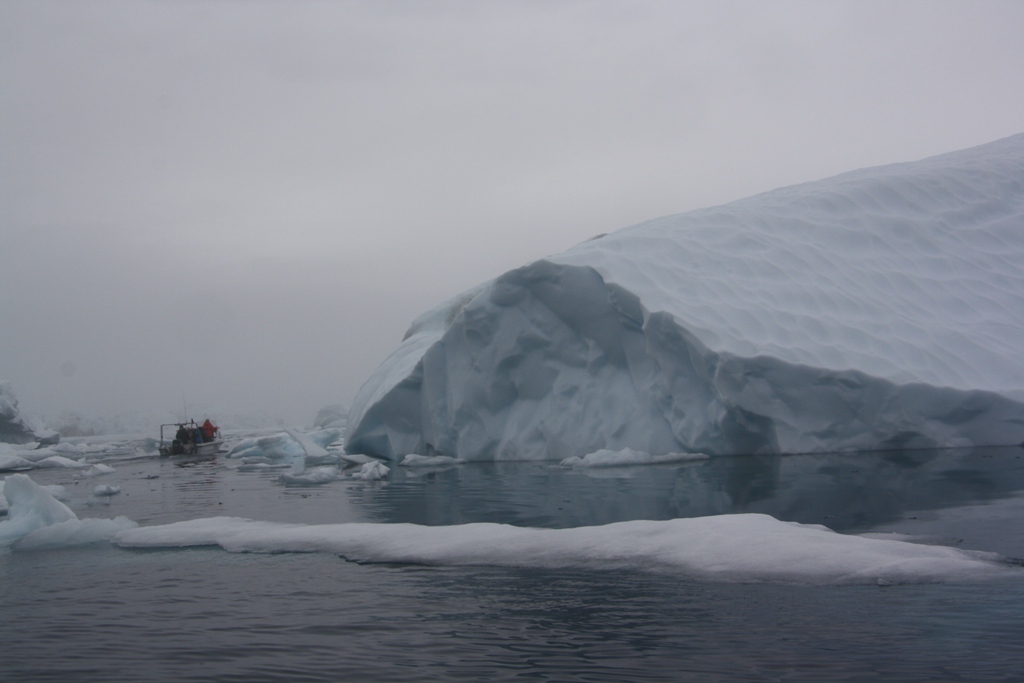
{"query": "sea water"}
(104, 613)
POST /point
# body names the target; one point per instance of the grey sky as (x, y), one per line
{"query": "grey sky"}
(250, 201)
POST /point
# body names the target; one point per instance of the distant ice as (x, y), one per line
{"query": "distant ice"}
(57, 461)
(879, 309)
(36, 519)
(627, 456)
(31, 456)
(334, 415)
(13, 461)
(747, 547)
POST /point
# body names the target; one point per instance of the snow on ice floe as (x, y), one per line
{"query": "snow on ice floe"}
(311, 477)
(96, 470)
(106, 490)
(878, 309)
(746, 547)
(372, 471)
(628, 457)
(36, 519)
(414, 460)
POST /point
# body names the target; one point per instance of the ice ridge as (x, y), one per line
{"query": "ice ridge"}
(882, 308)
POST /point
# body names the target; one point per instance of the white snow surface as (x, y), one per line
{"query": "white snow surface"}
(882, 308)
(747, 547)
(284, 446)
(38, 520)
(312, 477)
(414, 460)
(628, 457)
(106, 490)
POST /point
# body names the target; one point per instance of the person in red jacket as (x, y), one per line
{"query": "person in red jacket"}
(209, 431)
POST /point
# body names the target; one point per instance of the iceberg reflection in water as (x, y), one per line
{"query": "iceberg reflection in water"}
(196, 614)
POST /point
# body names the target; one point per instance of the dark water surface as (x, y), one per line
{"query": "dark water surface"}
(106, 614)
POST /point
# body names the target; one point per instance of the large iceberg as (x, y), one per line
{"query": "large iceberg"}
(882, 308)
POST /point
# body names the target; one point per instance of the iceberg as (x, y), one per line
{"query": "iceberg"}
(331, 416)
(878, 309)
(745, 547)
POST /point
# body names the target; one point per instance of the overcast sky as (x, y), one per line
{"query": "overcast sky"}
(248, 202)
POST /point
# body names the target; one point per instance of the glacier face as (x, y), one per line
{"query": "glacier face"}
(882, 308)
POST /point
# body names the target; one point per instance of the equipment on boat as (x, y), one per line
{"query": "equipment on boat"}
(189, 439)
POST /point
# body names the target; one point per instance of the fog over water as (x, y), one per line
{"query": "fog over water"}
(248, 202)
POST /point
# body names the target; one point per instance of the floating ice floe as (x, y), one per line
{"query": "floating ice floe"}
(11, 461)
(36, 519)
(14, 428)
(29, 456)
(357, 458)
(334, 415)
(96, 470)
(414, 460)
(746, 547)
(59, 461)
(283, 447)
(626, 457)
(372, 471)
(311, 477)
(106, 490)
(879, 309)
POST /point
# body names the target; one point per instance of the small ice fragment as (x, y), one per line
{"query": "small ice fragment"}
(55, 461)
(96, 470)
(414, 460)
(106, 490)
(372, 471)
(357, 458)
(313, 477)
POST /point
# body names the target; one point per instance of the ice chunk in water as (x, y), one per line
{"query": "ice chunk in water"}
(106, 490)
(372, 471)
(36, 519)
(312, 477)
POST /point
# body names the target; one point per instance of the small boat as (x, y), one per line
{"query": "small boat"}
(188, 440)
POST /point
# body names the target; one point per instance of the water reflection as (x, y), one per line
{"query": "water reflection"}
(844, 491)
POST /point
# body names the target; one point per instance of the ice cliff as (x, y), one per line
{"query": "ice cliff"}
(882, 308)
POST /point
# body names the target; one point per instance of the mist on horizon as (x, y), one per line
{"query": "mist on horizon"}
(244, 205)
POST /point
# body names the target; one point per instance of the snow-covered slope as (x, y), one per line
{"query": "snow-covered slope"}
(880, 308)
